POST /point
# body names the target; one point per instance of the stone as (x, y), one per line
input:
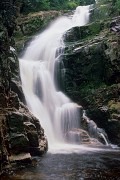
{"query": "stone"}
(19, 143)
(3, 100)
(14, 142)
(77, 136)
(92, 76)
(113, 131)
(29, 126)
(15, 122)
(13, 100)
(78, 33)
(33, 139)
(41, 149)
(115, 26)
(95, 142)
(16, 87)
(116, 116)
(23, 157)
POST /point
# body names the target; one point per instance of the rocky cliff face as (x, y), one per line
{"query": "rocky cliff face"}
(92, 62)
(21, 134)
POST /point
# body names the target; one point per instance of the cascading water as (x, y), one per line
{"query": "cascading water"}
(81, 16)
(56, 112)
(94, 131)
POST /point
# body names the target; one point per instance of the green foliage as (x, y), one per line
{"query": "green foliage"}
(117, 4)
(104, 1)
(38, 5)
(35, 5)
(86, 2)
(95, 28)
(71, 5)
(62, 4)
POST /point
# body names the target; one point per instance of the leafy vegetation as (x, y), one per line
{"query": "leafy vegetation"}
(37, 5)
(113, 7)
(117, 4)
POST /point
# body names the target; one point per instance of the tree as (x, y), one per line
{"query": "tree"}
(35, 5)
(117, 5)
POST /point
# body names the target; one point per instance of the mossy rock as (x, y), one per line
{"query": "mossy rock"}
(80, 33)
(114, 106)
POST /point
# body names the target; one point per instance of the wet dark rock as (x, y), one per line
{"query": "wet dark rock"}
(113, 130)
(79, 33)
(33, 139)
(21, 134)
(41, 149)
(19, 143)
(94, 131)
(92, 73)
(16, 87)
(115, 25)
(15, 138)
(116, 116)
(13, 101)
(32, 134)
(15, 122)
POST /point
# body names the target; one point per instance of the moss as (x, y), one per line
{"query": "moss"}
(83, 33)
(114, 106)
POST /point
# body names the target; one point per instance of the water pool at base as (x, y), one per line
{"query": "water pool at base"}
(77, 164)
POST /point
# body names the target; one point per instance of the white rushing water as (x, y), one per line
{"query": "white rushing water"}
(56, 112)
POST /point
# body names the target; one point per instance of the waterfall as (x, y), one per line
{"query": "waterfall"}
(56, 112)
(103, 136)
(81, 16)
(94, 131)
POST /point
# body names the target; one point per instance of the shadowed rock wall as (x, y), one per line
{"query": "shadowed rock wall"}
(21, 134)
(92, 62)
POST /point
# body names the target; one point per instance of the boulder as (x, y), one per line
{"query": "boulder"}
(80, 136)
(77, 136)
(25, 133)
(79, 33)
